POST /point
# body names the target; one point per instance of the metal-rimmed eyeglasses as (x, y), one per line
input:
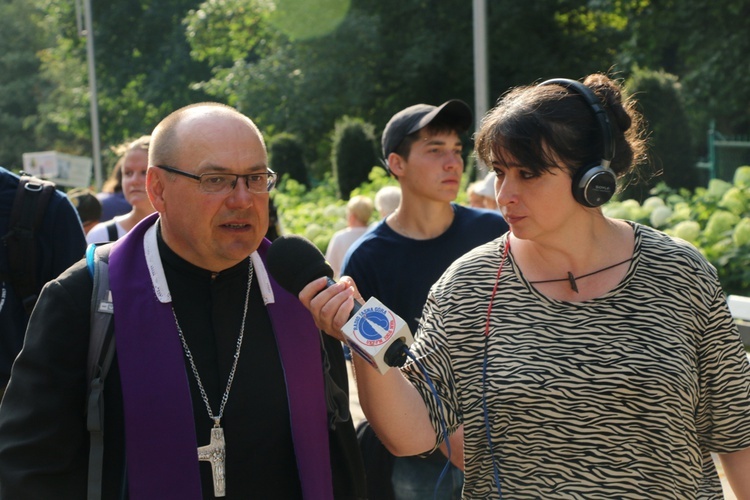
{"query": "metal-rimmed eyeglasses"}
(221, 183)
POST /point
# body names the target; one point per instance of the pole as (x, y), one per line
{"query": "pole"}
(96, 145)
(481, 75)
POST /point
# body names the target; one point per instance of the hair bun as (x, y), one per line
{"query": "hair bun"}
(609, 93)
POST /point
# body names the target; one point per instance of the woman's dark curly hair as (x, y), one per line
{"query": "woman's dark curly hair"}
(545, 127)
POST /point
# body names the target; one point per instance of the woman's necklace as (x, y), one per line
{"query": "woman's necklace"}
(215, 451)
(572, 279)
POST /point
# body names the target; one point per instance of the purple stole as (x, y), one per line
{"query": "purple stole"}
(160, 440)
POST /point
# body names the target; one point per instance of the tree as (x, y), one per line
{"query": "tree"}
(21, 86)
(706, 45)
(221, 32)
(286, 157)
(670, 148)
(297, 66)
(353, 153)
(388, 54)
(288, 85)
(143, 64)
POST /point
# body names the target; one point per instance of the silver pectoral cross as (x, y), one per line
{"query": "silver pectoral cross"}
(215, 452)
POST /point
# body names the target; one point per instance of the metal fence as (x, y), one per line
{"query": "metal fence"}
(725, 154)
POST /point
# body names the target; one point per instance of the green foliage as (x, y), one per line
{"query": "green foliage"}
(670, 151)
(386, 55)
(304, 19)
(143, 66)
(354, 153)
(286, 157)
(297, 66)
(21, 85)
(300, 86)
(704, 43)
(317, 213)
(715, 219)
(742, 177)
(377, 179)
(741, 235)
(223, 31)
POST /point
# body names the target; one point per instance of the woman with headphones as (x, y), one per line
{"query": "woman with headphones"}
(585, 356)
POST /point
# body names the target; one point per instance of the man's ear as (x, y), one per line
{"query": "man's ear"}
(396, 164)
(155, 188)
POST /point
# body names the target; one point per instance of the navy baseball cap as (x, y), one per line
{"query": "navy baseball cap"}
(409, 120)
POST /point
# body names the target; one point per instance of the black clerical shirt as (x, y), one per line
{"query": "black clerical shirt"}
(260, 461)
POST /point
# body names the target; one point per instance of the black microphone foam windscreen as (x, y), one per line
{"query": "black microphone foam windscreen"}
(294, 262)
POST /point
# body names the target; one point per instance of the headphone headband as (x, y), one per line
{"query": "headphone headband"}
(608, 140)
(593, 185)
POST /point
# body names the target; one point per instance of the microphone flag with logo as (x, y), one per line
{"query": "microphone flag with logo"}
(372, 332)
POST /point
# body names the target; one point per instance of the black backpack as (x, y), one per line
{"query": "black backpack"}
(29, 205)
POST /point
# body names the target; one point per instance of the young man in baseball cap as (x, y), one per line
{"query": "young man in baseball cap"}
(400, 259)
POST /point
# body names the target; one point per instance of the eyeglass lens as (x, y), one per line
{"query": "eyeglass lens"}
(217, 183)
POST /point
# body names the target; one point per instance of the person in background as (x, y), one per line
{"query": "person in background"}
(358, 212)
(386, 200)
(399, 259)
(59, 243)
(584, 356)
(134, 167)
(188, 284)
(475, 199)
(486, 189)
(87, 205)
(112, 198)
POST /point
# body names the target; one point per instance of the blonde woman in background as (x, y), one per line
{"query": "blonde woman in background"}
(133, 164)
(358, 212)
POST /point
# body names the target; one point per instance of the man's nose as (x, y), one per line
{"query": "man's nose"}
(241, 194)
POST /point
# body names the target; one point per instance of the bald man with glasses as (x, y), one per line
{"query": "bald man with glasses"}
(222, 385)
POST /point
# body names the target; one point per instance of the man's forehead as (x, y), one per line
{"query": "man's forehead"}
(209, 133)
(224, 147)
(438, 137)
(199, 122)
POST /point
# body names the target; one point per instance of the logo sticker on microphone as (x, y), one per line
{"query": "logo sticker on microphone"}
(372, 329)
(374, 326)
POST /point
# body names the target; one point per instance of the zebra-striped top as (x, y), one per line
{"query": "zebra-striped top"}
(622, 396)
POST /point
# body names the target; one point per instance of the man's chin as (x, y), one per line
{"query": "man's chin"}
(241, 248)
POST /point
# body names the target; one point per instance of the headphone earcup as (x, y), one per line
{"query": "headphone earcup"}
(594, 185)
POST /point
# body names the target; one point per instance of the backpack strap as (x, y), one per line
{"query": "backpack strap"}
(111, 230)
(101, 354)
(27, 213)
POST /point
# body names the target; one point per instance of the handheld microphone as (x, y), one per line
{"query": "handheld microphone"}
(374, 332)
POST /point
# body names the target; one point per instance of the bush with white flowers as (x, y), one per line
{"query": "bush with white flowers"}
(715, 219)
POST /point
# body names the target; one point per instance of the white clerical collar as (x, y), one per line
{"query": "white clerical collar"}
(159, 279)
(262, 276)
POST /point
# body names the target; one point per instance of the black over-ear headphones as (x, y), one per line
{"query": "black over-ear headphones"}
(593, 185)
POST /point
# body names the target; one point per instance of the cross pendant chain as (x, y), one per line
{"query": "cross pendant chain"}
(215, 452)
